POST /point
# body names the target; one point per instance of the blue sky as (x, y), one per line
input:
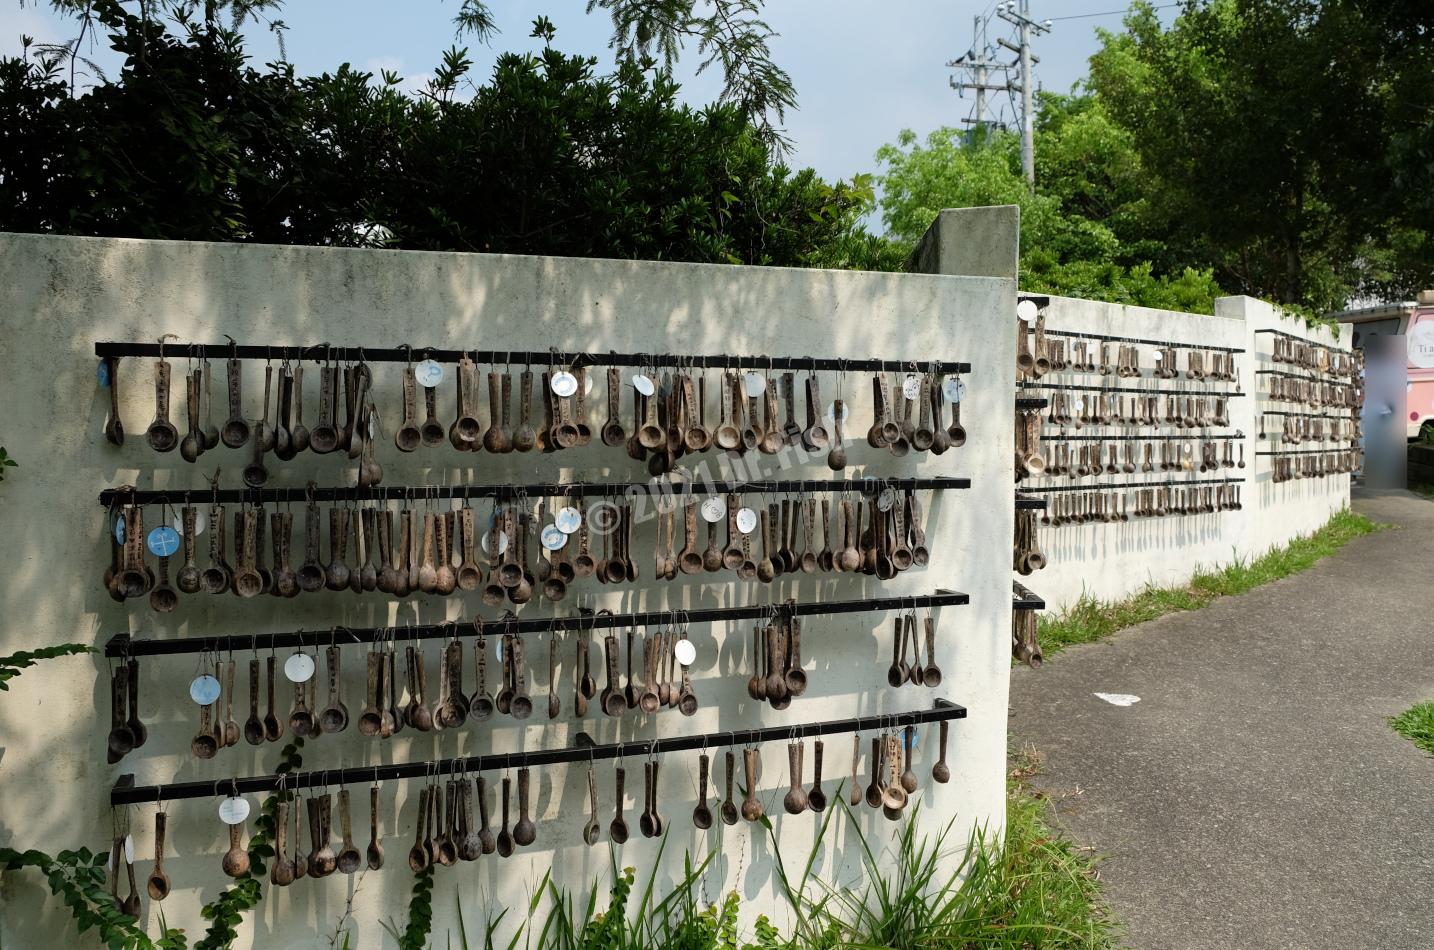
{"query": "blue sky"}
(863, 70)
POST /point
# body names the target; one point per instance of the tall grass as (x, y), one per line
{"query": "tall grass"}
(1034, 889)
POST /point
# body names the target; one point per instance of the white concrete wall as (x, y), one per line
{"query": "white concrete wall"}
(1281, 510)
(1111, 561)
(59, 295)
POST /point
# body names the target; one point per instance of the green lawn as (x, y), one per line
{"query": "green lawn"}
(1090, 619)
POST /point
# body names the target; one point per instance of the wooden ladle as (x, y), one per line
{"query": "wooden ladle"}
(158, 883)
(617, 829)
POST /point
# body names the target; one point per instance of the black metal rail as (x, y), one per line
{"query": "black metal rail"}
(123, 645)
(1120, 486)
(1024, 598)
(1025, 503)
(125, 792)
(1310, 376)
(1193, 436)
(132, 496)
(1127, 390)
(323, 351)
(1308, 451)
(1143, 342)
(1027, 403)
(1300, 339)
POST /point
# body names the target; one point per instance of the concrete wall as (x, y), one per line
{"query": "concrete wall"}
(1113, 560)
(59, 295)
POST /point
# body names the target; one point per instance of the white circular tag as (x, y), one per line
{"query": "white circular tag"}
(754, 384)
(831, 413)
(685, 652)
(587, 384)
(233, 811)
(568, 519)
(299, 668)
(1077, 404)
(954, 390)
(714, 510)
(886, 499)
(1027, 311)
(746, 520)
(553, 537)
(564, 383)
(201, 522)
(129, 849)
(911, 387)
(643, 385)
(1158, 356)
(204, 689)
(502, 543)
(429, 373)
(163, 541)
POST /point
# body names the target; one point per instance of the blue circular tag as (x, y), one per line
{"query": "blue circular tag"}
(102, 373)
(163, 541)
(119, 531)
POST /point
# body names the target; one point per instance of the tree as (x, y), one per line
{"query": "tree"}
(548, 157)
(1082, 230)
(1270, 130)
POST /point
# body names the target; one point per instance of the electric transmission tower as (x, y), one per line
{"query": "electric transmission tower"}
(1018, 13)
(978, 67)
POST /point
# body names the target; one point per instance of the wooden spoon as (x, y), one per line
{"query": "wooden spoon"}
(375, 846)
(161, 434)
(505, 837)
(349, 859)
(418, 860)
(751, 806)
(795, 801)
(158, 882)
(236, 859)
(114, 427)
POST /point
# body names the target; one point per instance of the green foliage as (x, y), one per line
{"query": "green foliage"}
(414, 935)
(1090, 619)
(5, 462)
(78, 878)
(10, 666)
(1032, 888)
(548, 156)
(1417, 725)
(1080, 233)
(1270, 131)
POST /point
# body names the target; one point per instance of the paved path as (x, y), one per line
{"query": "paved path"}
(1255, 797)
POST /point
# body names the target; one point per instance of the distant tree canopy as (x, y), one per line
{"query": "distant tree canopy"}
(1280, 148)
(190, 141)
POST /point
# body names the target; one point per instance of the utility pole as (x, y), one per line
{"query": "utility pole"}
(977, 65)
(1019, 14)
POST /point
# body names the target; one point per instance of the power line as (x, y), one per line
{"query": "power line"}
(1086, 16)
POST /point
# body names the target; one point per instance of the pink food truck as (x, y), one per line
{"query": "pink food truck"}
(1415, 321)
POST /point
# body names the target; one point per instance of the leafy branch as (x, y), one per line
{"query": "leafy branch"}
(727, 32)
(10, 666)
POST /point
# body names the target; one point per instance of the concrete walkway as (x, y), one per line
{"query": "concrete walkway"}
(1255, 797)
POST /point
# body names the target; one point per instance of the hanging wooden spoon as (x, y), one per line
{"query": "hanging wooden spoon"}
(795, 801)
(751, 807)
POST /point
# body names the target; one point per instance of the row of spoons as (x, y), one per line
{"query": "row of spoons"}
(669, 414)
(1112, 506)
(1111, 408)
(446, 832)
(1290, 467)
(437, 552)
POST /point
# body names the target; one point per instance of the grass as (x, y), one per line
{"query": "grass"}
(1035, 889)
(1090, 619)
(1417, 725)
